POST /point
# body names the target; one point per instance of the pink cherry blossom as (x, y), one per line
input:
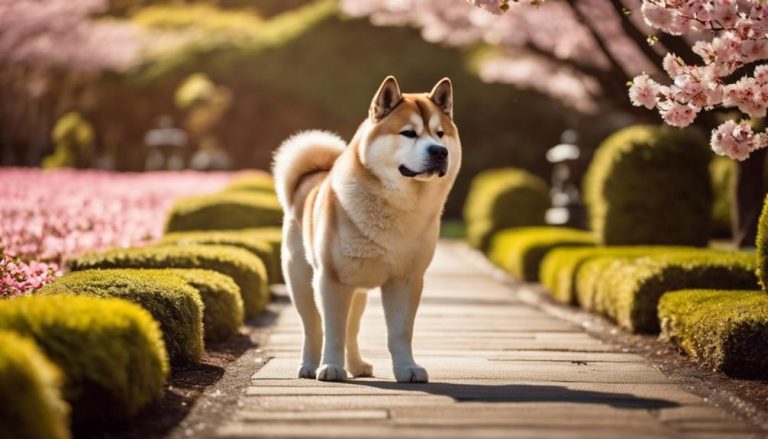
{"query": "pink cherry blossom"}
(644, 91)
(677, 114)
(48, 216)
(735, 140)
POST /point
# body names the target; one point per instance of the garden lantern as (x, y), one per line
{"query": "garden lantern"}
(567, 208)
(166, 146)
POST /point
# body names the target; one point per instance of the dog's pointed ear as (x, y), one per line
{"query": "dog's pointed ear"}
(442, 96)
(386, 99)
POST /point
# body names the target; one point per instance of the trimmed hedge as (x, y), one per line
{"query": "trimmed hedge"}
(111, 351)
(171, 301)
(629, 292)
(223, 306)
(252, 182)
(30, 392)
(521, 250)
(722, 171)
(560, 266)
(256, 241)
(650, 185)
(503, 198)
(225, 211)
(762, 247)
(724, 330)
(245, 269)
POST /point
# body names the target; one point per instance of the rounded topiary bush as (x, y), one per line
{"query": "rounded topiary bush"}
(248, 272)
(650, 185)
(30, 392)
(252, 182)
(223, 312)
(110, 351)
(503, 198)
(762, 247)
(252, 240)
(170, 299)
(225, 210)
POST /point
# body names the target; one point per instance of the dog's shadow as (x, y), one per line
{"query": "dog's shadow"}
(521, 393)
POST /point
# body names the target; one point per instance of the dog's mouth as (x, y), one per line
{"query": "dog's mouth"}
(439, 170)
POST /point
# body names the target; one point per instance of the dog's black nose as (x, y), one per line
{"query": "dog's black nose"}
(437, 152)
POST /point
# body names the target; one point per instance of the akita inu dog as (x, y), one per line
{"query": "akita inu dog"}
(362, 216)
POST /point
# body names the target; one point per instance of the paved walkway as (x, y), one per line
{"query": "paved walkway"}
(498, 368)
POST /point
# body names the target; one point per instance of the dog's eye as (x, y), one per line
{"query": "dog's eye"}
(440, 134)
(411, 134)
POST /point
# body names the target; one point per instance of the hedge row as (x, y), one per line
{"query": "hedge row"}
(630, 291)
(248, 271)
(30, 392)
(262, 242)
(724, 330)
(225, 211)
(111, 352)
(102, 337)
(559, 267)
(252, 182)
(520, 251)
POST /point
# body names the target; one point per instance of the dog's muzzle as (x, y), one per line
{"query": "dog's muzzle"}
(436, 163)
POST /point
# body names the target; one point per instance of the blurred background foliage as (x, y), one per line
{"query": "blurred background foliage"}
(242, 75)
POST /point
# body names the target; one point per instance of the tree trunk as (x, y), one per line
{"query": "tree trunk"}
(749, 197)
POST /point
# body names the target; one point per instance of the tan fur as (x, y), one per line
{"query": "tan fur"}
(354, 222)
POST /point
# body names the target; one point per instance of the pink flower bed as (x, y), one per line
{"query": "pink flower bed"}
(47, 216)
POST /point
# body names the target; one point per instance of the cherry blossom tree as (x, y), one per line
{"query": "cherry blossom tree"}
(690, 60)
(48, 50)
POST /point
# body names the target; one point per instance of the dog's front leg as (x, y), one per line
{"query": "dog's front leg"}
(401, 301)
(335, 301)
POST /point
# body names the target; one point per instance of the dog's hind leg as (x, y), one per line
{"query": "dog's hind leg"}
(355, 363)
(298, 278)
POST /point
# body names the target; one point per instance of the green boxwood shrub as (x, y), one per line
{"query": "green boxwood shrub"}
(722, 171)
(560, 266)
(589, 276)
(110, 351)
(252, 182)
(30, 392)
(762, 247)
(171, 301)
(225, 210)
(248, 272)
(503, 198)
(724, 330)
(629, 293)
(255, 241)
(650, 185)
(223, 311)
(521, 250)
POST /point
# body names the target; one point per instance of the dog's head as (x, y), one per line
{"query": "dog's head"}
(411, 136)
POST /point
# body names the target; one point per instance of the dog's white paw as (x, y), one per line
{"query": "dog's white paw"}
(360, 369)
(331, 372)
(307, 371)
(411, 374)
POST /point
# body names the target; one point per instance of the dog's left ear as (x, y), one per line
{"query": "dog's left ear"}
(442, 95)
(386, 99)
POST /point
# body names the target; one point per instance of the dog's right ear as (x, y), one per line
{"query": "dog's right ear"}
(386, 98)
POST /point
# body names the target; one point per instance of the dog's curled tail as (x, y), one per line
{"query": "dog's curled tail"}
(300, 155)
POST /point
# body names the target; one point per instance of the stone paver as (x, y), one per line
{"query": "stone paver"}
(499, 368)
